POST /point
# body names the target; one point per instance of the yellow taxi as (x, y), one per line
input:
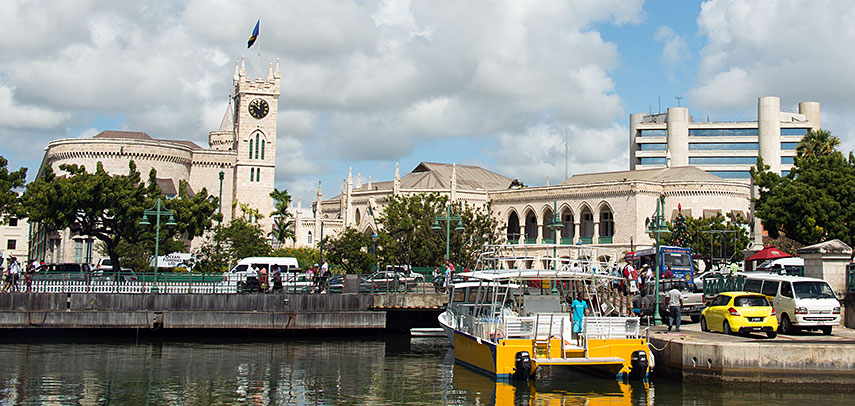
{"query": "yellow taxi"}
(740, 312)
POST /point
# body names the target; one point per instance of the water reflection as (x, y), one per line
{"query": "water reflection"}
(310, 371)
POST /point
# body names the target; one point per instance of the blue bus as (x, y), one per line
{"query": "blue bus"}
(679, 259)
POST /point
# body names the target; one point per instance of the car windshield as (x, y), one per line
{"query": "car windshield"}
(677, 259)
(813, 290)
(750, 301)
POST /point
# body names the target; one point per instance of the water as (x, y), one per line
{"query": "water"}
(312, 370)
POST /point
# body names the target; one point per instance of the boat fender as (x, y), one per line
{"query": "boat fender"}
(522, 366)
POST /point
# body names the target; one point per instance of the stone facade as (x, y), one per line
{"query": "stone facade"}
(242, 152)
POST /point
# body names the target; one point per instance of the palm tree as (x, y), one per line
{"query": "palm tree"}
(282, 229)
(817, 143)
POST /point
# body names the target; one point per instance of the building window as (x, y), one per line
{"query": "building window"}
(653, 147)
(78, 251)
(788, 160)
(11, 244)
(785, 173)
(258, 175)
(652, 161)
(262, 149)
(607, 223)
(309, 239)
(653, 133)
(789, 146)
(794, 131)
(251, 174)
(731, 174)
(586, 226)
(13, 222)
(722, 160)
(724, 132)
(256, 145)
(721, 146)
(250, 148)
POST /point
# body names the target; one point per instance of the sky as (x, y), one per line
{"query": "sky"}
(368, 84)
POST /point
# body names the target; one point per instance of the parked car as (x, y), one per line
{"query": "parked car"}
(785, 266)
(407, 272)
(388, 281)
(740, 312)
(64, 272)
(801, 303)
(693, 303)
(123, 275)
(701, 278)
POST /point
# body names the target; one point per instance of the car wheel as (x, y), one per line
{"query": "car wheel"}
(826, 330)
(704, 324)
(726, 328)
(771, 334)
(786, 326)
(695, 318)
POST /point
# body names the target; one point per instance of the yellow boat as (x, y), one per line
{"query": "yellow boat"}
(507, 323)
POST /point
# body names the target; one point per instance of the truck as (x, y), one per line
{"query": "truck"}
(693, 303)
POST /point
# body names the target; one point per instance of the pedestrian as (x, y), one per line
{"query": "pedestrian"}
(7, 279)
(449, 273)
(14, 272)
(579, 307)
(277, 278)
(325, 276)
(28, 278)
(263, 282)
(668, 273)
(674, 302)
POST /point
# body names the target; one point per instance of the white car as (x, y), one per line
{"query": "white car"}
(800, 303)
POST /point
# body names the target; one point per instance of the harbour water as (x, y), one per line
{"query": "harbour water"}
(313, 370)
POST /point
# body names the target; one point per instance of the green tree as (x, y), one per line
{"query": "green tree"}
(283, 226)
(817, 143)
(239, 239)
(306, 257)
(813, 203)
(10, 201)
(109, 207)
(350, 250)
(700, 235)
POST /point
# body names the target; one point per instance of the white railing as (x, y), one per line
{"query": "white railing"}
(128, 287)
(612, 327)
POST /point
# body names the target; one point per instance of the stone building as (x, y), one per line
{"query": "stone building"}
(13, 237)
(239, 163)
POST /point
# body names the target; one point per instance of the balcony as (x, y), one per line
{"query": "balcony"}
(531, 240)
(604, 240)
(586, 240)
(567, 240)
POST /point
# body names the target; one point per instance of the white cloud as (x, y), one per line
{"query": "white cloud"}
(674, 50)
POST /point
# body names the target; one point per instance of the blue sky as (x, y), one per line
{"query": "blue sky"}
(367, 84)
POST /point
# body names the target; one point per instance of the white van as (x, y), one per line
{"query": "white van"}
(783, 266)
(243, 269)
(801, 303)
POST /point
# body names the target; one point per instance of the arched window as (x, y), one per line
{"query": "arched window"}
(530, 227)
(251, 173)
(256, 145)
(358, 217)
(548, 232)
(607, 222)
(309, 239)
(569, 230)
(586, 225)
(262, 149)
(250, 148)
(513, 228)
(258, 175)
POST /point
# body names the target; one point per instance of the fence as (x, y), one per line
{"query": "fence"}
(714, 286)
(850, 277)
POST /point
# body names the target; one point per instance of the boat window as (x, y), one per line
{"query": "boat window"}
(750, 301)
(770, 288)
(458, 295)
(786, 290)
(813, 290)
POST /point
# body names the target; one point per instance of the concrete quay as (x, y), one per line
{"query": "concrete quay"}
(217, 311)
(801, 360)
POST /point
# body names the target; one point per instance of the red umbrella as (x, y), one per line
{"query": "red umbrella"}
(769, 252)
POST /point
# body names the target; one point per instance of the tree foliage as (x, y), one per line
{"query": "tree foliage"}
(814, 202)
(239, 239)
(10, 202)
(351, 250)
(700, 237)
(110, 207)
(817, 143)
(283, 226)
(306, 257)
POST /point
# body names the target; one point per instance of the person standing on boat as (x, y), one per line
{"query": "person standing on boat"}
(579, 307)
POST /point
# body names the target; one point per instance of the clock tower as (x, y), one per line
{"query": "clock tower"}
(256, 104)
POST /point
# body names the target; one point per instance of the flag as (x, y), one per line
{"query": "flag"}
(254, 35)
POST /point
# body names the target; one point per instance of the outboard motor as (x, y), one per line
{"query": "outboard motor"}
(522, 366)
(638, 363)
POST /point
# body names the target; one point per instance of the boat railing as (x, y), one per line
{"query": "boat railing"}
(612, 327)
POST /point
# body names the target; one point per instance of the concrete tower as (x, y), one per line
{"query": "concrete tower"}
(256, 104)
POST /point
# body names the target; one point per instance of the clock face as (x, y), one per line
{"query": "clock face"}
(258, 108)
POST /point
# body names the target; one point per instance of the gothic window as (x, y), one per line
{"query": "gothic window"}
(250, 148)
(258, 175)
(513, 228)
(256, 145)
(262, 149)
(251, 174)
(607, 222)
(586, 226)
(309, 239)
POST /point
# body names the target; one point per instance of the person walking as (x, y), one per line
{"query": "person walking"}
(7, 278)
(14, 272)
(579, 306)
(674, 302)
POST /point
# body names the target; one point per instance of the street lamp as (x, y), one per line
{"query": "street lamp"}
(220, 208)
(555, 225)
(374, 238)
(656, 227)
(447, 218)
(158, 210)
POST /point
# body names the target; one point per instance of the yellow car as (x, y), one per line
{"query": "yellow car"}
(740, 312)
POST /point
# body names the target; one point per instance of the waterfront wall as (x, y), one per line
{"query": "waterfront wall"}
(756, 363)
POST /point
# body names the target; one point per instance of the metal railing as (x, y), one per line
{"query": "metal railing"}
(714, 286)
(850, 278)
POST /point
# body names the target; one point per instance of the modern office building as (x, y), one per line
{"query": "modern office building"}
(726, 149)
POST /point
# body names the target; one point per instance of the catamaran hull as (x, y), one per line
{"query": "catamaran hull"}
(445, 319)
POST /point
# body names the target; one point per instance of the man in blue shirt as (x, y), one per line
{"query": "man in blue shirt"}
(579, 307)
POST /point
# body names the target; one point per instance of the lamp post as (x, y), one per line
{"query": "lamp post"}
(447, 218)
(555, 225)
(157, 211)
(656, 227)
(374, 238)
(220, 209)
